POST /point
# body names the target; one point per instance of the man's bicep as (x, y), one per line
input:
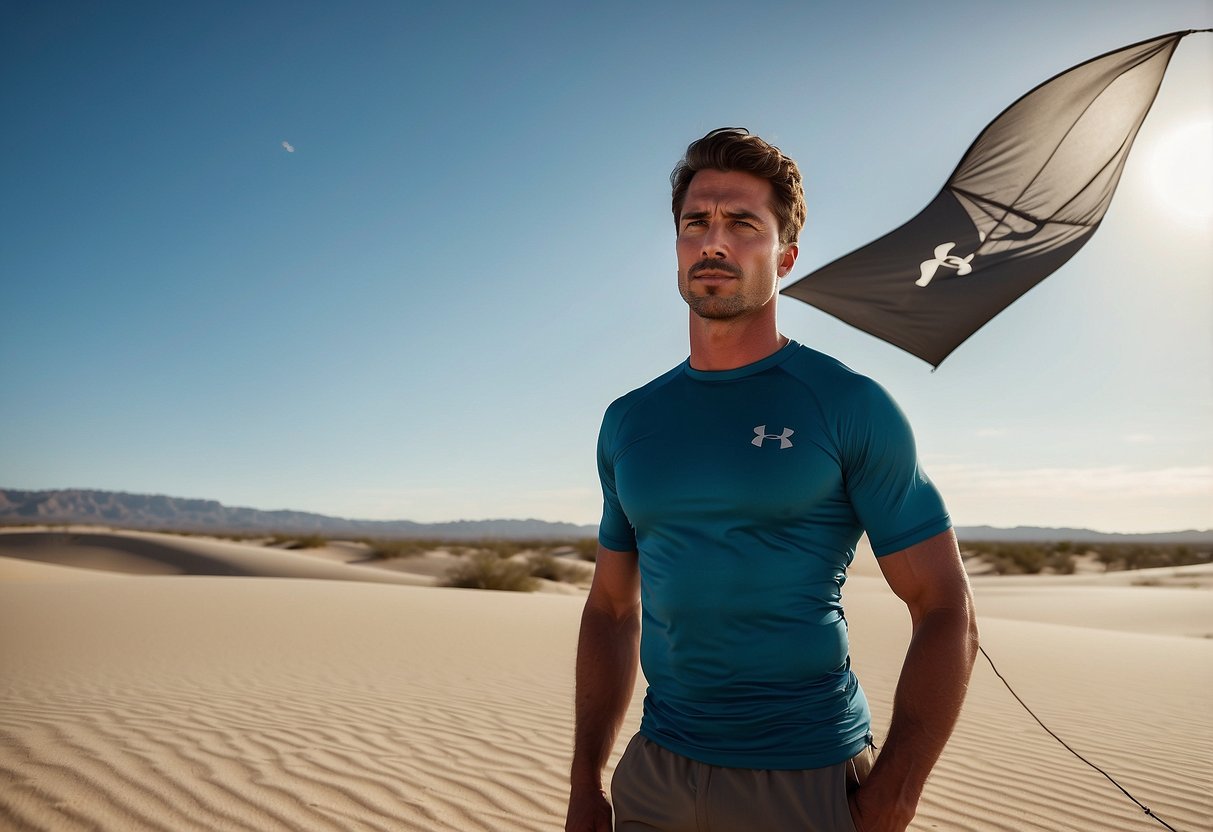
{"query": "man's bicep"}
(616, 584)
(928, 575)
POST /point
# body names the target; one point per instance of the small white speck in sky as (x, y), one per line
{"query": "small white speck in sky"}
(288, 147)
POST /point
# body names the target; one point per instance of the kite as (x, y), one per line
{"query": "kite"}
(1027, 195)
(288, 147)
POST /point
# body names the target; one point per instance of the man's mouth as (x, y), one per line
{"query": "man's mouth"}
(712, 283)
(715, 272)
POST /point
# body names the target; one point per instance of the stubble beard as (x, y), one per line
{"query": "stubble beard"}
(712, 304)
(714, 307)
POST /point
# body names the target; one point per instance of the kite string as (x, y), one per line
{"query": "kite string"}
(1064, 744)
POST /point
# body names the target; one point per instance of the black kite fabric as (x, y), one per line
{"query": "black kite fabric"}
(1028, 194)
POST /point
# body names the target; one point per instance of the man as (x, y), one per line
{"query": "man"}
(736, 487)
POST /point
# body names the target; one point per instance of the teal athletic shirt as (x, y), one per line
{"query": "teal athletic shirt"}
(744, 492)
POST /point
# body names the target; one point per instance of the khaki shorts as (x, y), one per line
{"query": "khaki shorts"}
(656, 790)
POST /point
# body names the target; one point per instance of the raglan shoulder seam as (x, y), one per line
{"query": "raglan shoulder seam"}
(625, 404)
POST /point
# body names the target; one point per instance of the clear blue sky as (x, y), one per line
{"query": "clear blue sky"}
(422, 311)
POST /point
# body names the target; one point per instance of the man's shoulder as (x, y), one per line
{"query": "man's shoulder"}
(651, 388)
(831, 379)
(622, 405)
(850, 402)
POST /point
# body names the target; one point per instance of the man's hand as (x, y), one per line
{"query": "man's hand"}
(856, 814)
(868, 819)
(589, 811)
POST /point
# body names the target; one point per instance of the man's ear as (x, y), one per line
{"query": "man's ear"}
(787, 259)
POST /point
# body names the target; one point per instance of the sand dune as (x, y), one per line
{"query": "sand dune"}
(149, 553)
(252, 700)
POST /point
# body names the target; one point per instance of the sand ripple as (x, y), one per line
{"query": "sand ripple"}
(260, 703)
(396, 729)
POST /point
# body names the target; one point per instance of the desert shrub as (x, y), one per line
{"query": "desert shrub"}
(1148, 555)
(389, 549)
(1143, 557)
(294, 541)
(1017, 558)
(308, 541)
(1105, 555)
(502, 548)
(509, 547)
(550, 568)
(485, 570)
(1020, 558)
(1061, 562)
(1030, 558)
(586, 548)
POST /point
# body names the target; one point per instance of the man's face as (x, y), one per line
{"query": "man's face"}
(729, 256)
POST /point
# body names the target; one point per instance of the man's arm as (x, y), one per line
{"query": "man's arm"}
(930, 578)
(607, 653)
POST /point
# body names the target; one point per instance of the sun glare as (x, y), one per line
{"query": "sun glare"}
(1181, 173)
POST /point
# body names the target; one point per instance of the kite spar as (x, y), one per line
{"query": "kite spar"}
(1026, 196)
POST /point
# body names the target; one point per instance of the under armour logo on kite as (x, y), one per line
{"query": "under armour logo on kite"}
(761, 435)
(942, 258)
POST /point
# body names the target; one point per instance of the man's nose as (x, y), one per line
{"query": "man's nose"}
(714, 246)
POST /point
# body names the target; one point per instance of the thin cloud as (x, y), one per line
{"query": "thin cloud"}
(288, 147)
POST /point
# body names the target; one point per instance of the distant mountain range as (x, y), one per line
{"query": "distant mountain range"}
(147, 511)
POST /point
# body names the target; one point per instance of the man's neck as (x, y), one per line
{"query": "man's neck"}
(727, 345)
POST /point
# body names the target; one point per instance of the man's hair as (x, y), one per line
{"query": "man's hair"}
(733, 148)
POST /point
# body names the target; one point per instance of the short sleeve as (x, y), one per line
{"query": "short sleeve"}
(615, 531)
(894, 500)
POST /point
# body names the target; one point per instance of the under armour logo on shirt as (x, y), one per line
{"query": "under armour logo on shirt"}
(761, 435)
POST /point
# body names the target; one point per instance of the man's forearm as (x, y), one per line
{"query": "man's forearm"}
(608, 649)
(930, 691)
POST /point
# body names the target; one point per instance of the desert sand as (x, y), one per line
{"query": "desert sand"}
(155, 682)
